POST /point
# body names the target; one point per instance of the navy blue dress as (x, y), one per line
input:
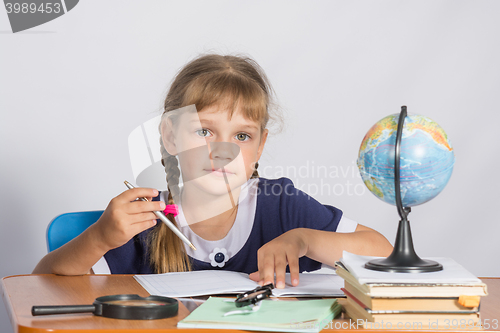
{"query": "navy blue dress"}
(280, 208)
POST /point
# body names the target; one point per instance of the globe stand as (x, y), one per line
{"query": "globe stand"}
(403, 258)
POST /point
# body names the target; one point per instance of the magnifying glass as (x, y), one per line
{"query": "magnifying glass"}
(118, 307)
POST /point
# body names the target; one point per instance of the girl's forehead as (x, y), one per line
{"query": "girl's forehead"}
(220, 114)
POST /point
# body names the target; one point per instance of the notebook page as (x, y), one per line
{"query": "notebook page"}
(196, 283)
(212, 282)
(312, 285)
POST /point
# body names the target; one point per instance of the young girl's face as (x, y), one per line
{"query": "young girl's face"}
(217, 151)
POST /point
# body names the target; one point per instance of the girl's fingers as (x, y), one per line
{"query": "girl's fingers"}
(144, 206)
(280, 269)
(254, 276)
(273, 261)
(266, 268)
(293, 265)
(141, 226)
(136, 193)
(142, 217)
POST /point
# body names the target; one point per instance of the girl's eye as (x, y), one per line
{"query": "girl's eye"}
(203, 132)
(242, 137)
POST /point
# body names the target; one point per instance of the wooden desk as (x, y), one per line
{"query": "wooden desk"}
(21, 292)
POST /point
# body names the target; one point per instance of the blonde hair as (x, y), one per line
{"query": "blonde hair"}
(227, 81)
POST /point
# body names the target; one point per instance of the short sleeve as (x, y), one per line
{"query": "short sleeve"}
(101, 267)
(347, 225)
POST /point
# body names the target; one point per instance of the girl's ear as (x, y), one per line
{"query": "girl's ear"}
(168, 136)
(263, 139)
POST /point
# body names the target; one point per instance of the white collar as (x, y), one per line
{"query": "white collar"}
(237, 235)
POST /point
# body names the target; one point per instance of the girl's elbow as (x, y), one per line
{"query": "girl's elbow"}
(382, 246)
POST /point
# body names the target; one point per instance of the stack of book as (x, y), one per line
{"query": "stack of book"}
(445, 299)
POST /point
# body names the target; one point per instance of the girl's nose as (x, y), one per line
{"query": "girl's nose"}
(223, 151)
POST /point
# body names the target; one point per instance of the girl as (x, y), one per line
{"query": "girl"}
(214, 128)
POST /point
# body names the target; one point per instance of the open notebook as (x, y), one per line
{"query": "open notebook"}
(212, 282)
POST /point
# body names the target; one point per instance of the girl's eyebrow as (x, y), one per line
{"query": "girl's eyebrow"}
(251, 126)
(210, 122)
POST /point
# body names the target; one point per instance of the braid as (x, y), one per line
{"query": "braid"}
(172, 171)
(167, 252)
(255, 173)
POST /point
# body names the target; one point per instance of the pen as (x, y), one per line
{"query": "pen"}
(165, 220)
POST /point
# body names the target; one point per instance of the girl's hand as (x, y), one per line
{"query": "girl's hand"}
(274, 256)
(125, 217)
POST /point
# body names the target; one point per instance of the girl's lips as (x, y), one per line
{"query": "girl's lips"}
(219, 172)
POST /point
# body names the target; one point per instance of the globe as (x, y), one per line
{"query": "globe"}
(426, 159)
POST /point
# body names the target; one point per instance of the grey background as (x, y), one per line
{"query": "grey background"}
(74, 88)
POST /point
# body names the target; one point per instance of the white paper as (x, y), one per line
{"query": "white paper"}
(452, 272)
(212, 282)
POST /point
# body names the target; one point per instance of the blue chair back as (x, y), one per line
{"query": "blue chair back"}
(65, 227)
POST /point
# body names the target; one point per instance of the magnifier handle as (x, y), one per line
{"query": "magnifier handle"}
(41, 310)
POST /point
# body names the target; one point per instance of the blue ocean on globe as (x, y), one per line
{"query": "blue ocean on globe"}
(426, 161)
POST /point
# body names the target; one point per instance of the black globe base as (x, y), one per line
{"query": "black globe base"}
(394, 266)
(403, 258)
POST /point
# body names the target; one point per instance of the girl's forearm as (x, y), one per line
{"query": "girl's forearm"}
(75, 257)
(327, 246)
